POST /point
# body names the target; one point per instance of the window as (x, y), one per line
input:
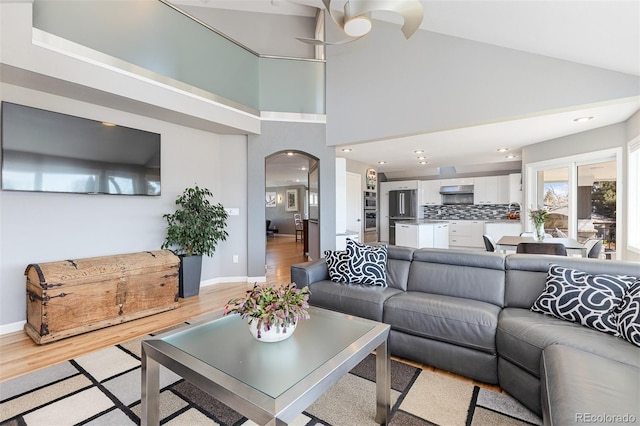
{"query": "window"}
(582, 195)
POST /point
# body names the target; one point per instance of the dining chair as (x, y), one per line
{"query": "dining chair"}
(542, 248)
(489, 242)
(593, 248)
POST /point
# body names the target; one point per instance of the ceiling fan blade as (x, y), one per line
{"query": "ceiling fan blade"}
(337, 17)
(317, 42)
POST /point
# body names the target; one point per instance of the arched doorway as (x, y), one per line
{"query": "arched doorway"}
(290, 203)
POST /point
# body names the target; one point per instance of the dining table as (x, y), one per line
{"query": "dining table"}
(510, 243)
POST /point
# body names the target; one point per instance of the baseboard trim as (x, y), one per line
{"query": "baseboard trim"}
(243, 279)
(12, 328)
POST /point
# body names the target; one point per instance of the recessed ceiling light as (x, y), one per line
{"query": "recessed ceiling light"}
(424, 162)
(582, 119)
(382, 162)
(106, 123)
(503, 149)
(303, 168)
(290, 153)
(510, 156)
(420, 151)
(346, 150)
(422, 157)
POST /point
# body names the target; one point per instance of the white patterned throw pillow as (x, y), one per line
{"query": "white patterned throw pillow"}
(367, 264)
(629, 315)
(590, 300)
(338, 265)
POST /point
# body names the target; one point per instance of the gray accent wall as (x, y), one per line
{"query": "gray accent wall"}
(279, 216)
(278, 136)
(44, 227)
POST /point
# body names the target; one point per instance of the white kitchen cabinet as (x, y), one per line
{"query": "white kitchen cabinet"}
(485, 190)
(423, 235)
(458, 181)
(407, 235)
(504, 187)
(466, 233)
(430, 193)
(400, 184)
(441, 235)
(491, 190)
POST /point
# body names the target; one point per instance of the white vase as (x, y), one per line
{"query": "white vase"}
(274, 334)
(538, 232)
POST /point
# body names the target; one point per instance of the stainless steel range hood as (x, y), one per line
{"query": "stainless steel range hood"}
(457, 194)
(456, 189)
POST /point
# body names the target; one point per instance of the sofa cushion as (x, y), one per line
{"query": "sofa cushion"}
(629, 316)
(367, 264)
(522, 335)
(338, 265)
(577, 296)
(361, 300)
(466, 274)
(526, 274)
(579, 387)
(463, 322)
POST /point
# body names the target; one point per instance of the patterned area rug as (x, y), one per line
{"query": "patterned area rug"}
(103, 388)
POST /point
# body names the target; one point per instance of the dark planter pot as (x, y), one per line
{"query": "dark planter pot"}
(190, 272)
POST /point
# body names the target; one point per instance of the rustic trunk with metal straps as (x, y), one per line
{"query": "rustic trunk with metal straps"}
(71, 297)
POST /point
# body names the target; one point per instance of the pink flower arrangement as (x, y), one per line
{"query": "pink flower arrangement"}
(272, 307)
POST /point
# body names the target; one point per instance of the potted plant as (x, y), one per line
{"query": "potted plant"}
(538, 217)
(272, 313)
(195, 229)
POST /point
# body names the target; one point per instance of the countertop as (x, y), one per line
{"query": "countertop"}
(420, 222)
(503, 221)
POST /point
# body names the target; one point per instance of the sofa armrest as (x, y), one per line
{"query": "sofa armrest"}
(304, 274)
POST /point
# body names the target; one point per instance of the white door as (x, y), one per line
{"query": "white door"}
(354, 204)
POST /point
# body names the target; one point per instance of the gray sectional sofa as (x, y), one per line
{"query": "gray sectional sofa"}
(468, 312)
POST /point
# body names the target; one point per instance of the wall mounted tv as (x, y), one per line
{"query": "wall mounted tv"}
(46, 151)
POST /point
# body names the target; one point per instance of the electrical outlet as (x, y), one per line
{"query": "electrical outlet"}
(235, 258)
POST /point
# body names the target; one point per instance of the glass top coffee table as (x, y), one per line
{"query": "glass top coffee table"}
(269, 383)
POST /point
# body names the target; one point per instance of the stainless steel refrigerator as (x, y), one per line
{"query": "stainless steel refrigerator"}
(403, 205)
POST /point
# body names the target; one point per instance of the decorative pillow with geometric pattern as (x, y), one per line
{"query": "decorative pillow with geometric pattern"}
(338, 265)
(590, 300)
(629, 315)
(367, 264)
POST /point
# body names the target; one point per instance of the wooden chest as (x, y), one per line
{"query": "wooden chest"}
(71, 297)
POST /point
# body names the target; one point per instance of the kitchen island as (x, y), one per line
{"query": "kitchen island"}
(422, 233)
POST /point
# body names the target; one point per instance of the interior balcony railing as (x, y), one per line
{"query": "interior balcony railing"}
(155, 36)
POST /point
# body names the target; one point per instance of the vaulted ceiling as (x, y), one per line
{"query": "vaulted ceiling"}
(602, 34)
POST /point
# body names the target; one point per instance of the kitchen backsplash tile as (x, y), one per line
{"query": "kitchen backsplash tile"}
(470, 212)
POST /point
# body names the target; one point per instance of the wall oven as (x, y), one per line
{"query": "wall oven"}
(370, 200)
(370, 220)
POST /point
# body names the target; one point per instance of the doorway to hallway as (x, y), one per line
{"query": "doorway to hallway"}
(282, 252)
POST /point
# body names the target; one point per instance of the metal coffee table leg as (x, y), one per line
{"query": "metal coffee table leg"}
(383, 383)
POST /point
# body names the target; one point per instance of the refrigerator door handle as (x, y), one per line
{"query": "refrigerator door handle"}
(401, 203)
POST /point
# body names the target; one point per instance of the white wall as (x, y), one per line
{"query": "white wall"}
(384, 86)
(41, 227)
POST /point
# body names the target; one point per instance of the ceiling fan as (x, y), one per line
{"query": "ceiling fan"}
(355, 21)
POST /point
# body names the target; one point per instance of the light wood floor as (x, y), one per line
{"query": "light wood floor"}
(20, 355)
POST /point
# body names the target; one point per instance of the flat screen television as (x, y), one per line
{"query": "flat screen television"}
(46, 151)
